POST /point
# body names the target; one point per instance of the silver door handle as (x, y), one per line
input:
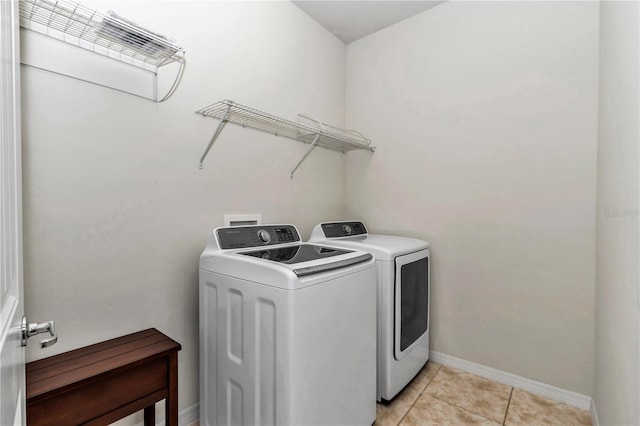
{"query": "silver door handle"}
(31, 329)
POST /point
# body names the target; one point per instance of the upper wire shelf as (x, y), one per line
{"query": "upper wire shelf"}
(107, 34)
(310, 130)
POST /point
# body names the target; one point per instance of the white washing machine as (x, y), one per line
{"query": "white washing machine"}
(403, 299)
(287, 330)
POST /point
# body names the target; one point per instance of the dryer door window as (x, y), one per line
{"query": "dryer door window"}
(411, 301)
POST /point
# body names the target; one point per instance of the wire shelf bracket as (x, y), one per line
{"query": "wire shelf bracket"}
(316, 133)
(108, 34)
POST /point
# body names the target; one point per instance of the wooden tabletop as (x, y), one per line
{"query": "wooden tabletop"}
(58, 373)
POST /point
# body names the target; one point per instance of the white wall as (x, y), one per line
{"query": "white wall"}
(116, 209)
(484, 115)
(617, 356)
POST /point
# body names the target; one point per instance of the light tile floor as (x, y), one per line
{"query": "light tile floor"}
(444, 396)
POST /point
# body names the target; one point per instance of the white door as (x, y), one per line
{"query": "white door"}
(12, 385)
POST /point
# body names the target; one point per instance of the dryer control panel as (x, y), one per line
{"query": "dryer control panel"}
(256, 236)
(343, 229)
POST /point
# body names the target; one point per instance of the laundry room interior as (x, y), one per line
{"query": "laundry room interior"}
(503, 133)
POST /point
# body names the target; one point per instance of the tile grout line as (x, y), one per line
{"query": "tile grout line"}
(462, 408)
(419, 395)
(506, 413)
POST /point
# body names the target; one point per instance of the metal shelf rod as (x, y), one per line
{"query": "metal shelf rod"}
(323, 135)
(313, 145)
(221, 125)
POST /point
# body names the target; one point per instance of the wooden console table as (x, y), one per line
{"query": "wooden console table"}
(102, 383)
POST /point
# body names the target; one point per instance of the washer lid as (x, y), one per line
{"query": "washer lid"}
(296, 254)
(306, 253)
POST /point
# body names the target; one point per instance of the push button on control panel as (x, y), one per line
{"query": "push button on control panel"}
(285, 235)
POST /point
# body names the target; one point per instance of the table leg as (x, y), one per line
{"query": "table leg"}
(171, 404)
(150, 415)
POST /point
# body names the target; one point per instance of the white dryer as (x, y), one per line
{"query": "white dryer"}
(287, 330)
(403, 299)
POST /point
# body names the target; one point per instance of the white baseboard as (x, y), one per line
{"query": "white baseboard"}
(594, 414)
(189, 415)
(548, 391)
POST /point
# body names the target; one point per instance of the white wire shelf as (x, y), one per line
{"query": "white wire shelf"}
(107, 34)
(310, 130)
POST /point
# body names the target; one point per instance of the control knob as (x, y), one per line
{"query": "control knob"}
(347, 229)
(264, 236)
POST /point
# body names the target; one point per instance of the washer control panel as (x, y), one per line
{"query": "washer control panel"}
(343, 229)
(256, 236)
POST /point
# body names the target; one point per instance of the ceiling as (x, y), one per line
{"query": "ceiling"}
(352, 20)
